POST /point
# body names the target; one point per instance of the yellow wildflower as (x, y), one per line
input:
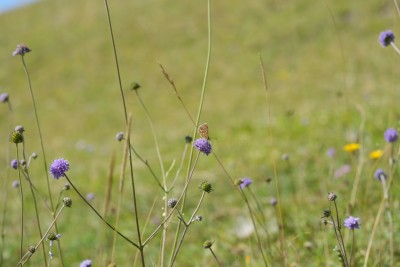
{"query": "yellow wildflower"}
(353, 147)
(376, 154)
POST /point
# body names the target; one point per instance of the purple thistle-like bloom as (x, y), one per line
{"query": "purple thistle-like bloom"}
(86, 263)
(379, 174)
(59, 167)
(352, 223)
(391, 135)
(331, 152)
(21, 50)
(246, 182)
(14, 164)
(386, 37)
(203, 145)
(4, 98)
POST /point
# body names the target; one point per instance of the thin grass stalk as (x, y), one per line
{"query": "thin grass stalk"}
(200, 108)
(145, 225)
(380, 211)
(43, 152)
(149, 120)
(28, 255)
(107, 200)
(5, 199)
(98, 214)
(27, 177)
(186, 228)
(152, 235)
(120, 191)
(397, 7)
(280, 217)
(215, 257)
(339, 237)
(22, 205)
(260, 246)
(140, 247)
(145, 162)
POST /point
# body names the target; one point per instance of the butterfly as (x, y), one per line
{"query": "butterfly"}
(203, 131)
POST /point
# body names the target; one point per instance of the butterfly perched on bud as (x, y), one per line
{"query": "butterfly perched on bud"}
(203, 131)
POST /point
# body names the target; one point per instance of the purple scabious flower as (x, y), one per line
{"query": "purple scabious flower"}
(386, 37)
(379, 174)
(59, 167)
(203, 145)
(352, 223)
(21, 50)
(14, 164)
(246, 182)
(86, 263)
(331, 152)
(391, 135)
(4, 98)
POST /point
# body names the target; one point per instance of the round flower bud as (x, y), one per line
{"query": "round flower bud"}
(135, 86)
(16, 137)
(32, 249)
(66, 187)
(332, 196)
(34, 155)
(273, 202)
(171, 203)
(206, 187)
(4, 97)
(119, 136)
(67, 202)
(188, 139)
(14, 164)
(19, 129)
(327, 213)
(21, 50)
(207, 244)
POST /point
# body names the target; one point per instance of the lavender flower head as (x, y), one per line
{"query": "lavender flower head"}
(86, 263)
(14, 164)
(59, 167)
(21, 50)
(203, 145)
(379, 174)
(246, 182)
(391, 135)
(352, 223)
(4, 98)
(386, 37)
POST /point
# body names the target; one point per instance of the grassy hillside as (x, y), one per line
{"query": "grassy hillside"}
(329, 83)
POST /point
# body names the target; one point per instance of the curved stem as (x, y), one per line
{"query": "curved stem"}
(101, 217)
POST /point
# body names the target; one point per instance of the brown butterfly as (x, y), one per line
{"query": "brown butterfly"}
(203, 131)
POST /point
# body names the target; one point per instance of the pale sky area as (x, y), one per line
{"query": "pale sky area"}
(7, 5)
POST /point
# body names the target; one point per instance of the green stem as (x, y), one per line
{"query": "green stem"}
(101, 217)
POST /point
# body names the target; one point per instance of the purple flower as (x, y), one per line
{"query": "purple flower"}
(90, 196)
(203, 145)
(246, 182)
(342, 171)
(119, 136)
(14, 164)
(21, 50)
(59, 167)
(352, 223)
(4, 98)
(15, 184)
(379, 174)
(331, 152)
(386, 37)
(391, 135)
(86, 263)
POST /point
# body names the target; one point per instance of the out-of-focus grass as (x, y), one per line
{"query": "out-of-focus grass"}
(319, 70)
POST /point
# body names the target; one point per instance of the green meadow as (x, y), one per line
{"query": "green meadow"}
(287, 81)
